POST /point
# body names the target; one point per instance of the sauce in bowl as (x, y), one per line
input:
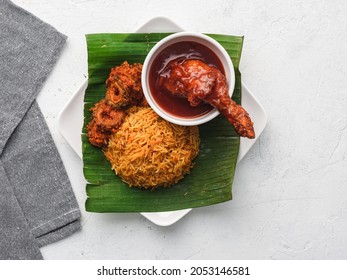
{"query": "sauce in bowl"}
(172, 104)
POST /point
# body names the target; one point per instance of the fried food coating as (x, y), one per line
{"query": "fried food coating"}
(198, 81)
(105, 120)
(123, 90)
(123, 86)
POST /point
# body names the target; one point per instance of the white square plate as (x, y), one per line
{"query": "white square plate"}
(70, 120)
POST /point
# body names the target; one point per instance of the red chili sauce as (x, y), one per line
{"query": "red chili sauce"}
(172, 104)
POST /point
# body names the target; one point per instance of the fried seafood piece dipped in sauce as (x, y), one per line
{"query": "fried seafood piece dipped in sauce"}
(123, 86)
(198, 81)
(105, 120)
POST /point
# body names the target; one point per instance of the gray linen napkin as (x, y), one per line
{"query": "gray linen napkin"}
(16, 240)
(37, 205)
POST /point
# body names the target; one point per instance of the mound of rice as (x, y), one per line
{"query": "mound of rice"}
(147, 151)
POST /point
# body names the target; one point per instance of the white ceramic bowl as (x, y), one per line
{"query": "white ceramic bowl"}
(184, 37)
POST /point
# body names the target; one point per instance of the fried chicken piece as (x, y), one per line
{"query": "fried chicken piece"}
(197, 81)
(105, 120)
(123, 86)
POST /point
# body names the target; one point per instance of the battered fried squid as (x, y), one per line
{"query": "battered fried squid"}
(105, 120)
(197, 81)
(124, 85)
(123, 89)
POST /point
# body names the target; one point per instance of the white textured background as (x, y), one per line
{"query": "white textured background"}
(290, 192)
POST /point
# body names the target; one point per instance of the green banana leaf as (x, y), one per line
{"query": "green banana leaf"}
(209, 182)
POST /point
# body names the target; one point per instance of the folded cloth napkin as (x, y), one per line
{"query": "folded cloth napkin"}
(37, 204)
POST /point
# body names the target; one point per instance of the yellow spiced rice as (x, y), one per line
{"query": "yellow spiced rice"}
(147, 151)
